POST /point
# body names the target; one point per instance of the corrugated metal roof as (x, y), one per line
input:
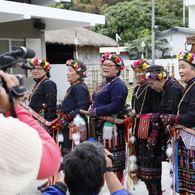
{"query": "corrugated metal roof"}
(177, 29)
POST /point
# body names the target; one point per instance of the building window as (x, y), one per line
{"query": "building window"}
(6, 46)
(59, 54)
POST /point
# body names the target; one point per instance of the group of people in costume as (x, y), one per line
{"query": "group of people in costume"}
(170, 134)
(162, 117)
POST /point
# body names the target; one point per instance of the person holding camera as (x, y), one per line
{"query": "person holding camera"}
(27, 151)
(86, 169)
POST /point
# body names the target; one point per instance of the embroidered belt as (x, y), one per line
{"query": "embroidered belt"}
(39, 117)
(116, 120)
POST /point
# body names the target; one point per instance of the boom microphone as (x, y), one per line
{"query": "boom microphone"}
(6, 60)
(25, 66)
(23, 52)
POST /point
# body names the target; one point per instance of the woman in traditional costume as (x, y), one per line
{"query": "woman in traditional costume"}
(76, 98)
(147, 142)
(43, 99)
(158, 79)
(183, 131)
(108, 102)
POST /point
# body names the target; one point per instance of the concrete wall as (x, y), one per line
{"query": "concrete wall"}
(19, 29)
(34, 38)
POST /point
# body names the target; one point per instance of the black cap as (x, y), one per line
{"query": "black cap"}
(153, 68)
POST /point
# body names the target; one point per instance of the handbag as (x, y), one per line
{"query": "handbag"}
(144, 126)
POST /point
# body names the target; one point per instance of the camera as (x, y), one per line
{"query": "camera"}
(10, 59)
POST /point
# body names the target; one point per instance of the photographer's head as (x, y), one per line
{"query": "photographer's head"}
(41, 67)
(19, 167)
(84, 168)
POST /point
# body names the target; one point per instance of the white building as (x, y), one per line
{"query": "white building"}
(24, 22)
(191, 12)
(176, 40)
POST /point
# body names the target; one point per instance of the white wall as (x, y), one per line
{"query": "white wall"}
(58, 75)
(189, 2)
(191, 12)
(177, 45)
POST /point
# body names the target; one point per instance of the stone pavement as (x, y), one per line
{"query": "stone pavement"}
(139, 189)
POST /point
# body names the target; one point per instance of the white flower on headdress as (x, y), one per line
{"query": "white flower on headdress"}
(182, 55)
(39, 62)
(193, 62)
(147, 75)
(164, 74)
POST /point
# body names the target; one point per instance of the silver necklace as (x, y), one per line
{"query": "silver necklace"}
(136, 93)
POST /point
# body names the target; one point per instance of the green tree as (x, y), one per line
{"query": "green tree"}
(144, 37)
(129, 18)
(173, 6)
(58, 5)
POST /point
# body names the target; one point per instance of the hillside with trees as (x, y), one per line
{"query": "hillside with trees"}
(131, 19)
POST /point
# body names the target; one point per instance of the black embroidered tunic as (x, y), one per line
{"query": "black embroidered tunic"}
(171, 95)
(185, 158)
(149, 161)
(76, 98)
(43, 100)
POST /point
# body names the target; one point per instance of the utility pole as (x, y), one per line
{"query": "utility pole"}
(153, 33)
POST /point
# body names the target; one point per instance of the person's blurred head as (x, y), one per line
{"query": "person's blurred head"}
(20, 161)
(76, 70)
(111, 65)
(41, 67)
(156, 76)
(186, 65)
(138, 67)
(84, 168)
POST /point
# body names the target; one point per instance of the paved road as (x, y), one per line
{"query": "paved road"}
(140, 189)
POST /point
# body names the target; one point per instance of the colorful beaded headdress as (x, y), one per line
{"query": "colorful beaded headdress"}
(40, 62)
(186, 56)
(78, 68)
(155, 72)
(114, 58)
(139, 64)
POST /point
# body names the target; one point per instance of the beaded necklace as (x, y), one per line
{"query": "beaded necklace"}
(133, 110)
(136, 93)
(145, 89)
(36, 87)
(102, 86)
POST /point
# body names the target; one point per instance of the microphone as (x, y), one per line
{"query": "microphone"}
(23, 52)
(6, 60)
(25, 66)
